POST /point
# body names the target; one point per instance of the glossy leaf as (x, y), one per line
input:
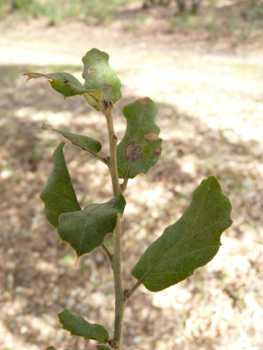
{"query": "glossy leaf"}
(99, 76)
(82, 141)
(141, 146)
(67, 85)
(58, 195)
(77, 325)
(189, 243)
(85, 230)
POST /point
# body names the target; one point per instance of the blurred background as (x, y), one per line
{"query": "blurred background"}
(202, 63)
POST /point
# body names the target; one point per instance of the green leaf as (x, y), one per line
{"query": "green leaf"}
(82, 141)
(85, 230)
(77, 325)
(99, 76)
(188, 244)
(103, 347)
(141, 147)
(67, 85)
(58, 195)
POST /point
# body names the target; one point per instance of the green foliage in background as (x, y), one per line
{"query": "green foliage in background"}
(56, 11)
(241, 19)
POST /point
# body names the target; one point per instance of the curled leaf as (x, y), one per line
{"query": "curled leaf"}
(58, 195)
(98, 75)
(81, 141)
(67, 85)
(77, 325)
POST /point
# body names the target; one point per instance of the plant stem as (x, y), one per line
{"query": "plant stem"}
(126, 179)
(107, 252)
(133, 289)
(95, 155)
(120, 301)
(112, 164)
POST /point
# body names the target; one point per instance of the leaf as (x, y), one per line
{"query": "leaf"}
(67, 85)
(141, 147)
(99, 76)
(84, 142)
(77, 325)
(58, 195)
(85, 230)
(189, 243)
(103, 347)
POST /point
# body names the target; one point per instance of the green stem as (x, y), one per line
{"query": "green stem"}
(126, 179)
(120, 301)
(112, 164)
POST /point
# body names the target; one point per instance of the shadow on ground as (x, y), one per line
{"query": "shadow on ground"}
(38, 277)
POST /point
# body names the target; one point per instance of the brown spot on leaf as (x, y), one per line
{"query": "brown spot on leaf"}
(65, 81)
(157, 151)
(151, 137)
(90, 71)
(143, 101)
(106, 87)
(99, 60)
(132, 152)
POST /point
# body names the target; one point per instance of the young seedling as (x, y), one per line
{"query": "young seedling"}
(191, 242)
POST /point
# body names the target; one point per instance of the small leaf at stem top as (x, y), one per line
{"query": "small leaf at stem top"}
(67, 85)
(189, 243)
(77, 325)
(58, 195)
(99, 76)
(141, 146)
(85, 230)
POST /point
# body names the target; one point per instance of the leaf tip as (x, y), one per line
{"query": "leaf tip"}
(143, 101)
(46, 126)
(26, 74)
(33, 75)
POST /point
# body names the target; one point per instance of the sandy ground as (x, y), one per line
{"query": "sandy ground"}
(211, 116)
